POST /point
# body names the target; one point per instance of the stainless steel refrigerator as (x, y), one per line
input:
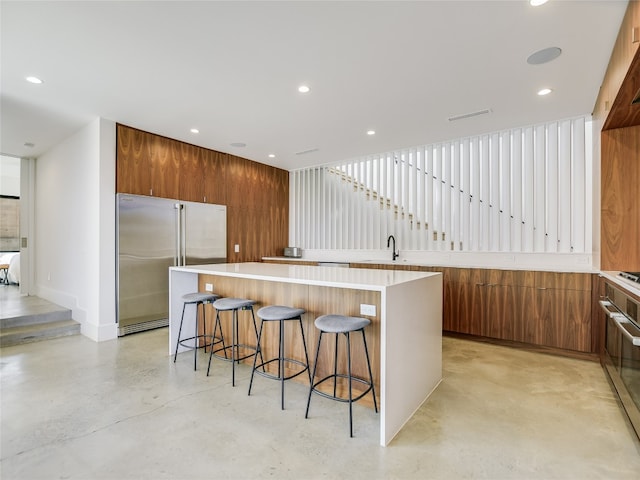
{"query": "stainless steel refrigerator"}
(154, 234)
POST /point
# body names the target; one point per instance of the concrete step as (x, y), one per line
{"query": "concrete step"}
(36, 332)
(50, 313)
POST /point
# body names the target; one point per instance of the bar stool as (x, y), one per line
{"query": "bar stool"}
(197, 299)
(342, 324)
(233, 305)
(281, 314)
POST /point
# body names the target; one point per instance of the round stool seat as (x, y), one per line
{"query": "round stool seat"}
(238, 350)
(340, 323)
(199, 297)
(224, 304)
(193, 342)
(279, 312)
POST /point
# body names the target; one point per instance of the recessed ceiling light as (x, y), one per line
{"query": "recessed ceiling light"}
(304, 89)
(29, 144)
(543, 56)
(238, 144)
(35, 80)
(537, 3)
(371, 132)
(195, 130)
(271, 155)
(544, 91)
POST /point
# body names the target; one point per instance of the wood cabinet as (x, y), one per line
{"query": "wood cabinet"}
(618, 149)
(256, 195)
(562, 311)
(214, 178)
(620, 202)
(490, 303)
(133, 165)
(540, 308)
(192, 163)
(549, 309)
(292, 262)
(612, 105)
(165, 168)
(146, 164)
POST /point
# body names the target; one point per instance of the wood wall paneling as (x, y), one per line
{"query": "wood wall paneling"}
(620, 202)
(165, 168)
(256, 195)
(623, 112)
(133, 165)
(215, 177)
(191, 162)
(622, 56)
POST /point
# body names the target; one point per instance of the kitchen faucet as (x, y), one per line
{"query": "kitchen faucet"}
(394, 254)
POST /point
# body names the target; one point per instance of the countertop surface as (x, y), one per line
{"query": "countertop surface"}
(364, 279)
(532, 262)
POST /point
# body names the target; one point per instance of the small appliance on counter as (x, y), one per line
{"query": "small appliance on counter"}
(293, 252)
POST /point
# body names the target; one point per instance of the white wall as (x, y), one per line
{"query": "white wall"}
(75, 227)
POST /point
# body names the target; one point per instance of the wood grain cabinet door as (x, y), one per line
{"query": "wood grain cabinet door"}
(133, 161)
(563, 310)
(215, 177)
(466, 304)
(191, 162)
(165, 169)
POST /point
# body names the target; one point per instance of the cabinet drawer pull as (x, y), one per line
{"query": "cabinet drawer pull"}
(541, 288)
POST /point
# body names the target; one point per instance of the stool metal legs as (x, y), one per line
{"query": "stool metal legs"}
(281, 359)
(350, 378)
(235, 346)
(195, 335)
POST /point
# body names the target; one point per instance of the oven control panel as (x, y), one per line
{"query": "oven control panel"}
(623, 302)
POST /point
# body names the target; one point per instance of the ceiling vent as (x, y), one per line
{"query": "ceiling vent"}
(469, 115)
(304, 152)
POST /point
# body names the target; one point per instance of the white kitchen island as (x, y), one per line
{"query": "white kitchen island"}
(405, 336)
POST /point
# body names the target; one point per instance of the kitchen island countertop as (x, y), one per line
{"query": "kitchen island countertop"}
(405, 308)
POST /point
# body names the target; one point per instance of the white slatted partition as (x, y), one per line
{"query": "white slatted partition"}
(520, 190)
(551, 214)
(528, 182)
(516, 191)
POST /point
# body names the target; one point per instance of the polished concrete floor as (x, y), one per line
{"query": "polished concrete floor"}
(75, 409)
(12, 304)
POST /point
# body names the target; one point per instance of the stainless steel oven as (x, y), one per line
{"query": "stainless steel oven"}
(622, 345)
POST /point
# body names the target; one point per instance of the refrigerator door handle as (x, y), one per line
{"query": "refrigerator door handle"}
(177, 255)
(183, 235)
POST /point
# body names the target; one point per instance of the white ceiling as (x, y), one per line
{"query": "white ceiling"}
(231, 69)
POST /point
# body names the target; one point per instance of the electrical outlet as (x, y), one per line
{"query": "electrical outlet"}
(208, 287)
(369, 310)
(236, 248)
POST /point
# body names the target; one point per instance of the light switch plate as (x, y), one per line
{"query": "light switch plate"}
(208, 287)
(236, 248)
(369, 310)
